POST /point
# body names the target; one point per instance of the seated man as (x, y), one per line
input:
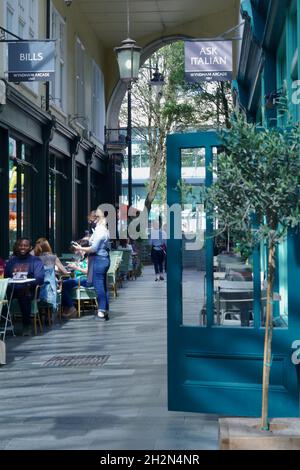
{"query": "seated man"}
(22, 265)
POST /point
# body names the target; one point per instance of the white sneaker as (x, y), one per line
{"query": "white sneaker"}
(101, 314)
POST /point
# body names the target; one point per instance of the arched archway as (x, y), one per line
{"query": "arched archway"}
(118, 94)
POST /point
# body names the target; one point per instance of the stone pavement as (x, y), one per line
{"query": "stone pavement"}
(120, 405)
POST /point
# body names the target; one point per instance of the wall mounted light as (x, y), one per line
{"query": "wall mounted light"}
(157, 82)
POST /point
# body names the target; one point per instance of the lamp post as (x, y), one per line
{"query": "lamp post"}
(157, 82)
(128, 56)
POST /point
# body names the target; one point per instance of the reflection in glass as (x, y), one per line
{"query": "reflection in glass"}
(193, 222)
(233, 290)
(20, 197)
(240, 276)
(283, 285)
(12, 194)
(233, 276)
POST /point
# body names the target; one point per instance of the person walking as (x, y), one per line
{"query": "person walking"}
(98, 263)
(158, 243)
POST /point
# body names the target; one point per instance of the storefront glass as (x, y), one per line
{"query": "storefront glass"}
(57, 184)
(81, 201)
(12, 194)
(20, 190)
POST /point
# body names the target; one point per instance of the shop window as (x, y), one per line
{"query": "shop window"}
(282, 81)
(21, 180)
(282, 314)
(293, 24)
(81, 200)
(96, 189)
(57, 185)
(98, 103)
(9, 17)
(58, 85)
(22, 20)
(80, 89)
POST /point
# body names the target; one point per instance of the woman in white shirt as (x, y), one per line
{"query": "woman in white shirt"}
(99, 262)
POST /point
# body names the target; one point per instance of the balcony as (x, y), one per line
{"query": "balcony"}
(116, 138)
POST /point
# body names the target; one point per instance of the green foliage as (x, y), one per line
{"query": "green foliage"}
(256, 195)
(181, 107)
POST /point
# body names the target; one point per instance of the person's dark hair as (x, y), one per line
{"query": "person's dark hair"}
(113, 244)
(123, 243)
(18, 242)
(82, 242)
(92, 216)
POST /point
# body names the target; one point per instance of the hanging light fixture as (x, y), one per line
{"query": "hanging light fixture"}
(157, 82)
(128, 56)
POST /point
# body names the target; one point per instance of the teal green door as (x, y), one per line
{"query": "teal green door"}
(215, 343)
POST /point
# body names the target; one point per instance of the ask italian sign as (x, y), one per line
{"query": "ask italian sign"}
(209, 61)
(31, 61)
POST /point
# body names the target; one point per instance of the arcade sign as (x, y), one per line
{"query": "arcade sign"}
(208, 61)
(31, 61)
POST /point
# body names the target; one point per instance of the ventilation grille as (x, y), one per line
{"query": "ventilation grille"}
(76, 361)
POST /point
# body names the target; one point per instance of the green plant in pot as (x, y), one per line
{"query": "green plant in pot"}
(256, 198)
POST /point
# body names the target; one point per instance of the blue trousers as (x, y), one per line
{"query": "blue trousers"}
(68, 285)
(24, 296)
(100, 267)
(157, 257)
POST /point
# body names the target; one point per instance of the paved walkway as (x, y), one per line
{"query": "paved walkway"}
(121, 405)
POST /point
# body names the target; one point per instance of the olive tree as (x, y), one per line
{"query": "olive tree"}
(180, 107)
(256, 198)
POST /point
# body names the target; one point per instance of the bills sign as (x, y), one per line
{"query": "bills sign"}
(31, 61)
(209, 61)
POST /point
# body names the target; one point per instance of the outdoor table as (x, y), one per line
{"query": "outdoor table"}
(218, 276)
(231, 287)
(234, 285)
(8, 322)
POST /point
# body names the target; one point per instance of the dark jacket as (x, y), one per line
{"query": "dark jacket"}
(31, 265)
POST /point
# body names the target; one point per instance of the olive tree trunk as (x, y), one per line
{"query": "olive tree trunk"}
(268, 337)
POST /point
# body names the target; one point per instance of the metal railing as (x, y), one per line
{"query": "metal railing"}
(116, 136)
